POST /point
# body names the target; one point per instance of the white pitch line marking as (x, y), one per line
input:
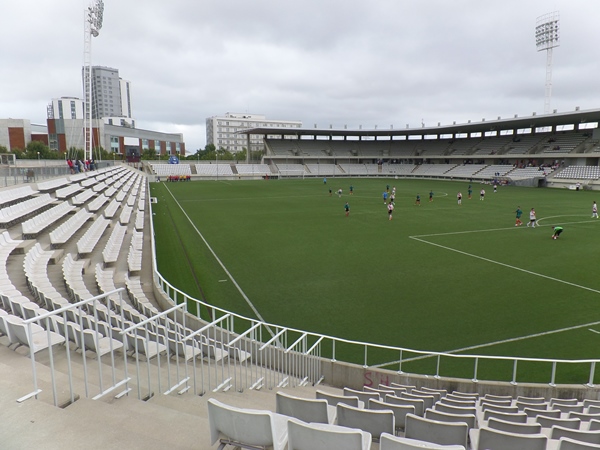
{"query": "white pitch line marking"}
(220, 263)
(594, 331)
(506, 265)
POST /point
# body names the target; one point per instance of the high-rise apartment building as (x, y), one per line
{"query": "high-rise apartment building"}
(111, 95)
(222, 131)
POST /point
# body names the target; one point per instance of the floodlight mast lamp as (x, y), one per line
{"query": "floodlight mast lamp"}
(547, 37)
(93, 23)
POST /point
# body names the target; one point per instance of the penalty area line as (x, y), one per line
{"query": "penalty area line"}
(547, 277)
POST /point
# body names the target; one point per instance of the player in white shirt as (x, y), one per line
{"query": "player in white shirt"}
(594, 210)
(532, 218)
(390, 210)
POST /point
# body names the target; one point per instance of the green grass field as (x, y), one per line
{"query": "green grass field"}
(438, 277)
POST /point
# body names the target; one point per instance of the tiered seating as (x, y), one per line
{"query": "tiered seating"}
(282, 147)
(88, 241)
(161, 169)
(463, 146)
(10, 215)
(402, 149)
(35, 266)
(111, 251)
(579, 173)
(139, 220)
(111, 209)
(125, 215)
(354, 169)
(36, 224)
(291, 169)
(65, 231)
(491, 171)
(212, 170)
(253, 169)
(52, 185)
(323, 169)
(432, 147)
(492, 146)
(138, 297)
(465, 171)
(73, 277)
(97, 203)
(435, 170)
(16, 195)
(80, 199)
(524, 143)
(563, 143)
(529, 172)
(134, 258)
(68, 191)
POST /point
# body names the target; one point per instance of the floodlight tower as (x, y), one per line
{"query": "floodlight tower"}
(547, 37)
(93, 23)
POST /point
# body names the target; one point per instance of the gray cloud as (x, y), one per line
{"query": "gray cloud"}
(333, 62)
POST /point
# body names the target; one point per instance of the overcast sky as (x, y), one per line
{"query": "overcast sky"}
(338, 62)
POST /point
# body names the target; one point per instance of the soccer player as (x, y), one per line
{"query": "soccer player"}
(387, 188)
(339, 192)
(482, 195)
(394, 190)
(519, 214)
(532, 218)
(430, 196)
(385, 197)
(351, 190)
(470, 191)
(347, 209)
(495, 188)
(557, 231)
(390, 210)
(594, 210)
(324, 180)
(459, 198)
(330, 192)
(418, 200)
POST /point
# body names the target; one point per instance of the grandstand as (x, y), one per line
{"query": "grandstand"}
(93, 278)
(119, 352)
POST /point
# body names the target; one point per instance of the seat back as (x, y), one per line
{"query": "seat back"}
(372, 421)
(428, 400)
(491, 439)
(362, 396)
(469, 419)
(572, 444)
(305, 409)
(400, 411)
(592, 437)
(389, 442)
(451, 409)
(443, 433)
(549, 422)
(534, 412)
(417, 403)
(333, 399)
(513, 427)
(245, 426)
(319, 436)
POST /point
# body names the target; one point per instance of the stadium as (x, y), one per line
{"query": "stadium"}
(244, 295)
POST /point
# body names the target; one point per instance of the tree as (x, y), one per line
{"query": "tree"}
(149, 154)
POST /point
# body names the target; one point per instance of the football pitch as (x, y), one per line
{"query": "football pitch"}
(438, 277)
